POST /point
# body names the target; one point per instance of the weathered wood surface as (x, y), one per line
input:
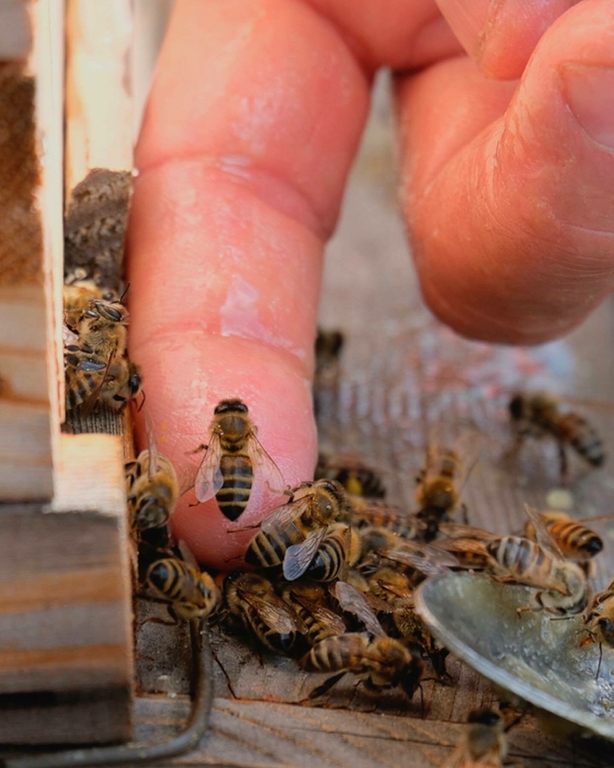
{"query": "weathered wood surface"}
(270, 735)
(403, 379)
(30, 251)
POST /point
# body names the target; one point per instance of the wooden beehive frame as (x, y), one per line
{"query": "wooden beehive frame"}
(65, 618)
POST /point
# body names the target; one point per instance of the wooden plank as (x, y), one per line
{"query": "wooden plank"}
(65, 618)
(265, 734)
(30, 254)
(99, 135)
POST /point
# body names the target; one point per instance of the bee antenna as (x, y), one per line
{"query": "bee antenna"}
(126, 289)
(139, 409)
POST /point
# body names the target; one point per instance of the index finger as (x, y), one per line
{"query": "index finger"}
(255, 114)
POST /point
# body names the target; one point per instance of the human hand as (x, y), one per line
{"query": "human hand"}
(254, 118)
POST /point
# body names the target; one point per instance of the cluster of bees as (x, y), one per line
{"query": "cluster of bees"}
(96, 363)
(334, 568)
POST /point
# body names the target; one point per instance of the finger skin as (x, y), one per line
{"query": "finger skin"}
(255, 114)
(501, 35)
(508, 198)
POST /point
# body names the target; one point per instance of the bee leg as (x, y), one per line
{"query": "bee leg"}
(321, 690)
(464, 513)
(158, 620)
(564, 465)
(226, 675)
(201, 447)
(599, 662)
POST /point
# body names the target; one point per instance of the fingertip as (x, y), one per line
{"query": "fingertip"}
(189, 374)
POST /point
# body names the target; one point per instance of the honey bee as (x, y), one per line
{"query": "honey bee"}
(599, 621)
(356, 477)
(113, 382)
(402, 620)
(308, 602)
(358, 605)
(251, 598)
(562, 585)
(231, 457)
(328, 348)
(483, 744)
(380, 662)
(301, 523)
(338, 550)
(152, 488)
(363, 513)
(539, 415)
(576, 541)
(78, 296)
(102, 329)
(441, 481)
(190, 593)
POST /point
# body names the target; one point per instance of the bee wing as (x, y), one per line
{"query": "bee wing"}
(283, 517)
(323, 615)
(468, 448)
(460, 531)
(187, 555)
(353, 601)
(423, 557)
(274, 612)
(298, 557)
(542, 535)
(91, 401)
(152, 455)
(265, 465)
(209, 478)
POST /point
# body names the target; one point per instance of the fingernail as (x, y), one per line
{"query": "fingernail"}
(589, 91)
(467, 20)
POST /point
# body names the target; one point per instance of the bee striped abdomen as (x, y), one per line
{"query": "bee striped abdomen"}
(575, 539)
(328, 561)
(520, 556)
(81, 386)
(583, 438)
(332, 654)
(166, 576)
(238, 475)
(280, 642)
(267, 550)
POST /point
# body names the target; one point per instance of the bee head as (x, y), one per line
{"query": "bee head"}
(150, 513)
(227, 406)
(606, 626)
(517, 407)
(484, 716)
(134, 381)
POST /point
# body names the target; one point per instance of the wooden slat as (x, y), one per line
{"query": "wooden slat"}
(65, 619)
(99, 135)
(30, 253)
(268, 735)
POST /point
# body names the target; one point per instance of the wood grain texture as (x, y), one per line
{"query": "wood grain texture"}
(65, 619)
